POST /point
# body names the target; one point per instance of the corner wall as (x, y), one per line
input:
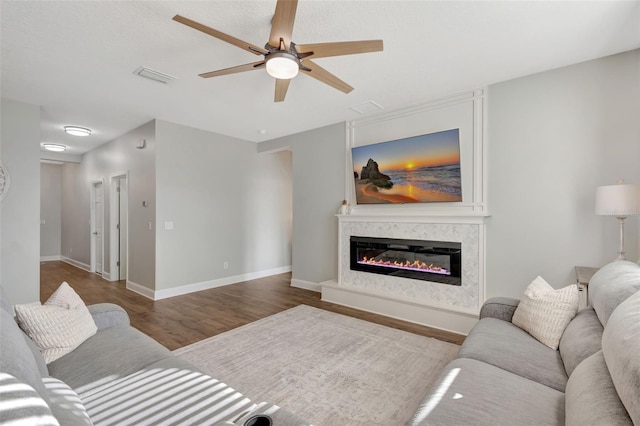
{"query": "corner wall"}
(225, 203)
(20, 209)
(318, 191)
(50, 211)
(115, 157)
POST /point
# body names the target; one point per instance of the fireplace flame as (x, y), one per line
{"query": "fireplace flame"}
(416, 265)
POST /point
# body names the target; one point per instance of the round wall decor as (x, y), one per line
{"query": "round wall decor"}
(4, 181)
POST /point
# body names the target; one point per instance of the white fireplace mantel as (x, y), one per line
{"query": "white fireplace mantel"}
(448, 307)
(476, 218)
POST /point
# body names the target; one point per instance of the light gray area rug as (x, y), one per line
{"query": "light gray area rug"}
(327, 368)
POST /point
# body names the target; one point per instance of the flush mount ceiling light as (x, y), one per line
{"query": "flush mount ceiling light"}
(54, 147)
(282, 65)
(77, 131)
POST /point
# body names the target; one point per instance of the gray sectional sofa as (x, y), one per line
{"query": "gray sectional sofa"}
(119, 376)
(503, 376)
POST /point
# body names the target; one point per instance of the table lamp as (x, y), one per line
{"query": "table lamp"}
(619, 200)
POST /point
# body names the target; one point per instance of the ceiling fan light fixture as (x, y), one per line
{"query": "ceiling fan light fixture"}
(77, 131)
(282, 65)
(54, 147)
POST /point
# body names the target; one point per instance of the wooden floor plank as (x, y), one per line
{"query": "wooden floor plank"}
(182, 320)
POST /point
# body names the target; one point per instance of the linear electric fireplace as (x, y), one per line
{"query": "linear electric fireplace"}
(435, 261)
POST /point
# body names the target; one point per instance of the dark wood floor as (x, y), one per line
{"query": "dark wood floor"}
(182, 320)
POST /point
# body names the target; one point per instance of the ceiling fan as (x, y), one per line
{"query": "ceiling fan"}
(282, 57)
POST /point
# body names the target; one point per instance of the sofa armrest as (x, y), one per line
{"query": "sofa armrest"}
(500, 308)
(108, 315)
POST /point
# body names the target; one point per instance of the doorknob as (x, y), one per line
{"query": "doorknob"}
(95, 233)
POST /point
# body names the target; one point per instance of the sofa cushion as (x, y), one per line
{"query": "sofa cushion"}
(506, 346)
(65, 403)
(168, 392)
(621, 349)
(545, 312)
(22, 405)
(473, 392)
(581, 339)
(591, 398)
(58, 326)
(115, 351)
(16, 358)
(611, 285)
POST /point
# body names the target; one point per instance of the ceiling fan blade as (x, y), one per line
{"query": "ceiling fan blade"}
(282, 24)
(320, 74)
(256, 50)
(324, 50)
(281, 89)
(233, 70)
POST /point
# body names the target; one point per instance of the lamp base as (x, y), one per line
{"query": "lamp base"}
(621, 253)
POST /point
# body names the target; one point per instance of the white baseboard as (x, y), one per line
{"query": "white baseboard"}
(206, 285)
(456, 322)
(307, 285)
(141, 290)
(106, 276)
(50, 258)
(76, 263)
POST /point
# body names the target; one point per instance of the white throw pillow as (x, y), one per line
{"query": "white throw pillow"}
(60, 325)
(545, 312)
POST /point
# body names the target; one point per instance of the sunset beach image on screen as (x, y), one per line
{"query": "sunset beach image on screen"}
(418, 169)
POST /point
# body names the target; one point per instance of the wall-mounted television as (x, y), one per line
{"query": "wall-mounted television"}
(418, 169)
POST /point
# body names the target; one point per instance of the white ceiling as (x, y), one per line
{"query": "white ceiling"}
(76, 58)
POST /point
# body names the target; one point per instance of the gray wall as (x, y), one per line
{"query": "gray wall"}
(50, 210)
(20, 209)
(117, 156)
(75, 215)
(226, 202)
(318, 190)
(553, 138)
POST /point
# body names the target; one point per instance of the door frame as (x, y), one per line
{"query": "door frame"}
(114, 269)
(92, 224)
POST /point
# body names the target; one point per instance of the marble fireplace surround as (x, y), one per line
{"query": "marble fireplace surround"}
(453, 308)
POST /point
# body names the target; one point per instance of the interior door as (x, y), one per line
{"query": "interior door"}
(122, 228)
(99, 226)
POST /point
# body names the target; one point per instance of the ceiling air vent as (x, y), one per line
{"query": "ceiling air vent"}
(154, 75)
(366, 107)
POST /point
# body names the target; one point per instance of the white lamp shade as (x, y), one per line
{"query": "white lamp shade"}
(618, 200)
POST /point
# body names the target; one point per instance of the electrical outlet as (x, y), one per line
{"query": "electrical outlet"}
(225, 265)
